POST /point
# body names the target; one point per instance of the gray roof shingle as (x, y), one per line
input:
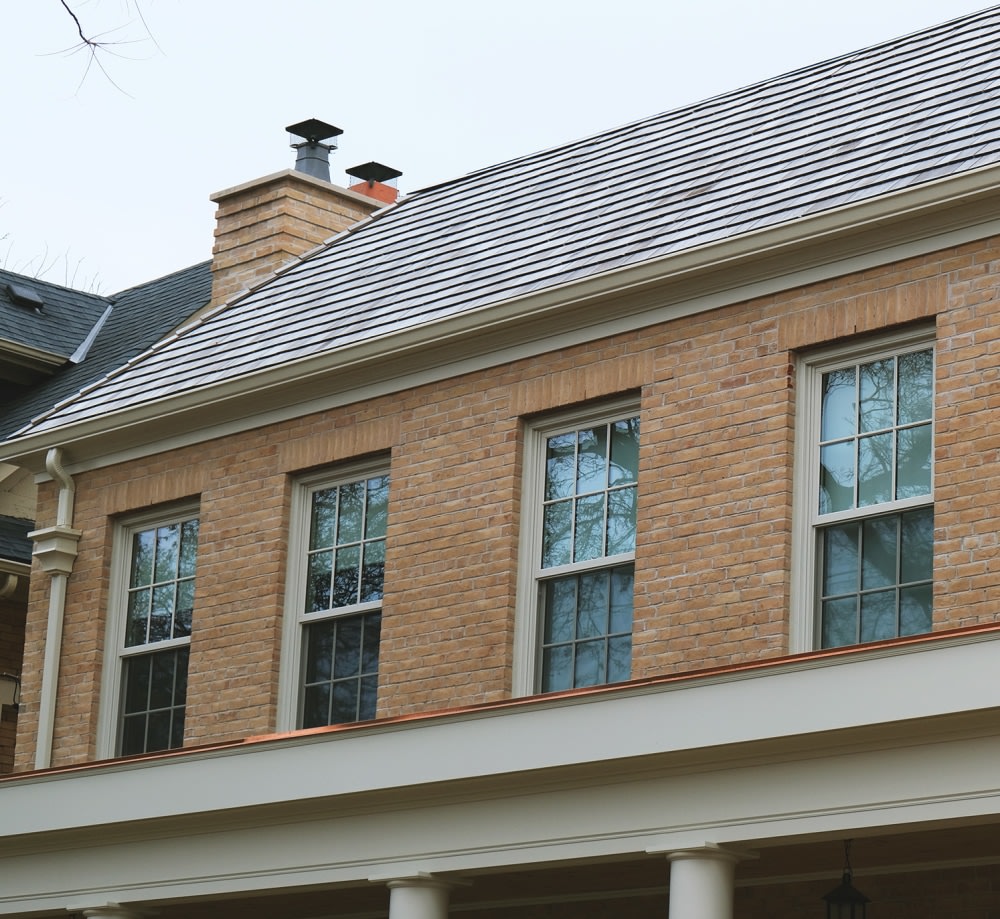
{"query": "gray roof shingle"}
(14, 543)
(139, 317)
(890, 117)
(60, 326)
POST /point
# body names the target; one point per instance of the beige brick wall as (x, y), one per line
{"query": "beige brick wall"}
(712, 570)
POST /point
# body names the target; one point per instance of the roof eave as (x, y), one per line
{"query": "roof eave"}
(967, 200)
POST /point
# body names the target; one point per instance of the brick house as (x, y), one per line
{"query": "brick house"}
(607, 531)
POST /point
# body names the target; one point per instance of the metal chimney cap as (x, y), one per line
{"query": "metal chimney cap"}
(313, 130)
(373, 172)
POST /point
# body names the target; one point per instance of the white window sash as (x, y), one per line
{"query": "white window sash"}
(526, 663)
(803, 626)
(114, 640)
(295, 618)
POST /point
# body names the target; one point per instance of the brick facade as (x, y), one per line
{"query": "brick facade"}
(717, 395)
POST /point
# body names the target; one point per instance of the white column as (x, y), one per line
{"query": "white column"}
(418, 898)
(702, 881)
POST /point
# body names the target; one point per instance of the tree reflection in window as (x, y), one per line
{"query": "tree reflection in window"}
(875, 452)
(588, 514)
(345, 570)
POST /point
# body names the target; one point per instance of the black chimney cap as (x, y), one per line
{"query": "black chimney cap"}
(313, 130)
(373, 172)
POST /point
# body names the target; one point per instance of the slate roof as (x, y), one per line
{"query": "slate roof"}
(60, 326)
(139, 317)
(887, 118)
(14, 543)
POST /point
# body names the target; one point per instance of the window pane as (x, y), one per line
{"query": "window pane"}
(913, 464)
(372, 629)
(840, 622)
(560, 466)
(345, 701)
(142, 558)
(133, 735)
(917, 545)
(622, 580)
(879, 538)
(185, 607)
(367, 703)
(589, 667)
(589, 536)
(347, 656)
(592, 460)
(352, 506)
(378, 504)
(840, 560)
(316, 706)
(136, 683)
(877, 381)
(557, 528)
(557, 668)
(189, 548)
(624, 466)
(373, 571)
(916, 386)
(915, 610)
(346, 576)
(839, 411)
(318, 582)
(138, 617)
(836, 477)
(167, 552)
(161, 682)
(619, 658)
(875, 469)
(161, 617)
(878, 616)
(324, 519)
(319, 651)
(621, 520)
(592, 604)
(560, 607)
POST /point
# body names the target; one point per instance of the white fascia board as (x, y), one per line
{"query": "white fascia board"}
(901, 224)
(669, 720)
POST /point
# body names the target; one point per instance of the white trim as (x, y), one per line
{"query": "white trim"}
(525, 654)
(293, 619)
(802, 626)
(117, 612)
(759, 274)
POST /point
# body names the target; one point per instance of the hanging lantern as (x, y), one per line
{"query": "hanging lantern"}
(845, 901)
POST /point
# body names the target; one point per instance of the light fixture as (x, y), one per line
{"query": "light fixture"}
(10, 689)
(845, 901)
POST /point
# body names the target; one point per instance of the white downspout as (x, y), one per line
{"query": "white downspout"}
(56, 550)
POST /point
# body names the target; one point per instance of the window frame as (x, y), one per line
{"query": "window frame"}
(295, 618)
(804, 620)
(115, 651)
(526, 662)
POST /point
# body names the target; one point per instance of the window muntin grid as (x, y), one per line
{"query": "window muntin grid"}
(588, 520)
(876, 432)
(341, 619)
(874, 566)
(159, 609)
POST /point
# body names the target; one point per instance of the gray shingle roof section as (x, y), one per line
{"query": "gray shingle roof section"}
(59, 327)
(891, 117)
(14, 543)
(139, 317)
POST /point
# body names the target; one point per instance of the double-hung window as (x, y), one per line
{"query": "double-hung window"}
(867, 526)
(149, 628)
(333, 623)
(578, 555)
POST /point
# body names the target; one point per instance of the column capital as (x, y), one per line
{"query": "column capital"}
(110, 911)
(709, 851)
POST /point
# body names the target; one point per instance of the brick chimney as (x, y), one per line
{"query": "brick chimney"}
(264, 224)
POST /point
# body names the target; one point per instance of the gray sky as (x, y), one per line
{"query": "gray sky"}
(104, 185)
